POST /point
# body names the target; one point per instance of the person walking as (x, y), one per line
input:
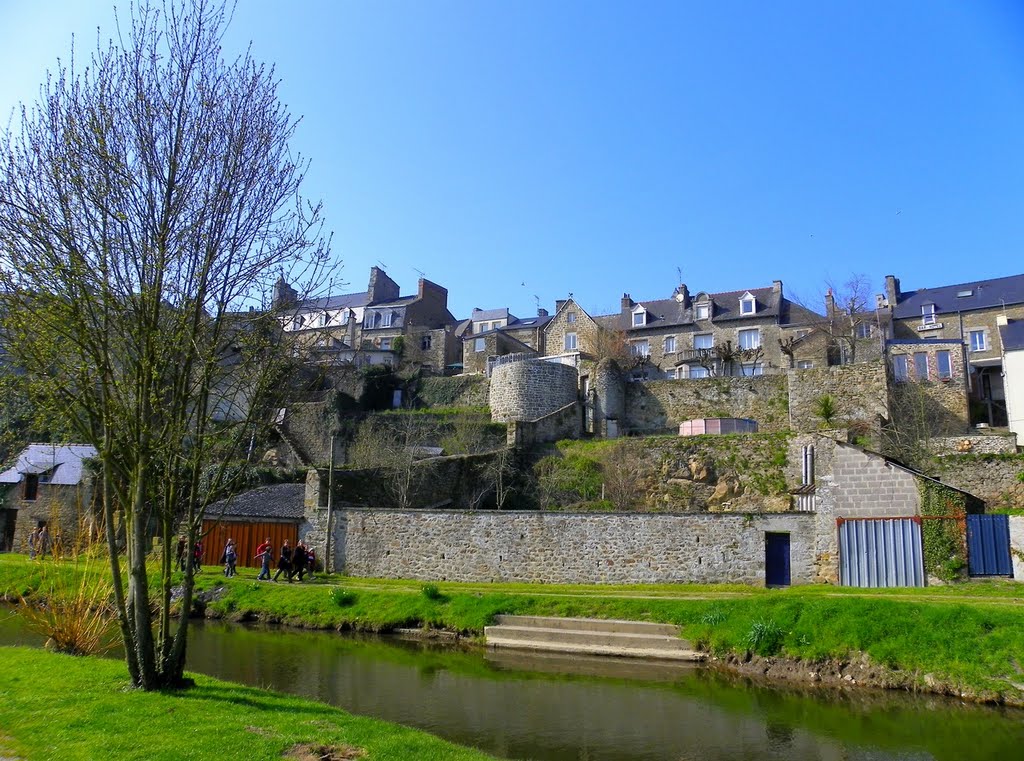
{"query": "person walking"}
(310, 561)
(33, 542)
(299, 560)
(44, 541)
(265, 552)
(230, 558)
(197, 556)
(180, 556)
(284, 562)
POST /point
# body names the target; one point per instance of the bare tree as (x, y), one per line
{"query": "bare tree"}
(147, 202)
(853, 326)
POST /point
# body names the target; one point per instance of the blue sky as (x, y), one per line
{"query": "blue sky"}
(521, 150)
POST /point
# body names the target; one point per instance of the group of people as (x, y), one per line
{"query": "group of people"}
(39, 542)
(197, 554)
(293, 562)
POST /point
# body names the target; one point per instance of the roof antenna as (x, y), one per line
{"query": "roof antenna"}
(382, 264)
(421, 273)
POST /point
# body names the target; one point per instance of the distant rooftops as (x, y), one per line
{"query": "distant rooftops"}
(61, 463)
(963, 297)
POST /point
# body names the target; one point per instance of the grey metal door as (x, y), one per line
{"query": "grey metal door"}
(881, 552)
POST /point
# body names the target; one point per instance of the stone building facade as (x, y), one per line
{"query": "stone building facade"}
(930, 382)
(571, 331)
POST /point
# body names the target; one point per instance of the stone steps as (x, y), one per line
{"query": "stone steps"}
(630, 639)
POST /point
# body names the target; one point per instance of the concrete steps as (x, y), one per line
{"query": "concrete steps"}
(630, 639)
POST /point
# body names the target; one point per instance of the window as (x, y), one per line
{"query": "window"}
(385, 344)
(704, 341)
(747, 305)
(927, 314)
(639, 319)
(485, 326)
(755, 369)
(570, 317)
(699, 372)
(978, 340)
(863, 330)
(570, 342)
(479, 344)
(921, 365)
(640, 348)
(943, 364)
(671, 373)
(750, 339)
(670, 344)
(804, 364)
(426, 342)
(899, 367)
(324, 319)
(31, 487)
(703, 311)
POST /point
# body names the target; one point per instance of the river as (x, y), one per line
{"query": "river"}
(590, 709)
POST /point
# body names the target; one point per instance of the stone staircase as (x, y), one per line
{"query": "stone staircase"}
(630, 639)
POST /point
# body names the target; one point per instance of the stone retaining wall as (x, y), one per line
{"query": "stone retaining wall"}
(993, 478)
(860, 393)
(531, 389)
(564, 548)
(968, 444)
(566, 423)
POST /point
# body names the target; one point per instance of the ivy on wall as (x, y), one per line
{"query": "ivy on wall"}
(943, 529)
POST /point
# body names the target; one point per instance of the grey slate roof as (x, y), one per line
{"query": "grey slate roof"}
(1012, 335)
(483, 315)
(725, 307)
(350, 300)
(279, 501)
(63, 463)
(984, 294)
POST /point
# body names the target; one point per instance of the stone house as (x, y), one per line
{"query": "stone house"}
(969, 314)
(933, 367)
(571, 334)
(493, 333)
(749, 332)
(47, 486)
(362, 328)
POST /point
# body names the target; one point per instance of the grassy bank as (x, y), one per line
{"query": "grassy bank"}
(964, 639)
(57, 706)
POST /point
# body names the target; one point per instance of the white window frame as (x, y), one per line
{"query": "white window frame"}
(639, 317)
(703, 312)
(385, 319)
(385, 344)
(927, 314)
(479, 344)
(570, 342)
(982, 344)
(699, 371)
(748, 305)
(670, 345)
(804, 364)
(699, 338)
(746, 332)
(570, 317)
(641, 348)
(863, 330)
(671, 373)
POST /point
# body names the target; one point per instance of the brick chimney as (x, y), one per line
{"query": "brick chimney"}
(627, 302)
(892, 290)
(542, 312)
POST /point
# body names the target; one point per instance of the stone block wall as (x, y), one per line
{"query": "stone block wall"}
(868, 486)
(562, 548)
(566, 423)
(973, 444)
(307, 428)
(860, 393)
(660, 406)
(531, 389)
(943, 401)
(993, 478)
(65, 509)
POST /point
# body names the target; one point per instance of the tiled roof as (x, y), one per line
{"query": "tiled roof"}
(1012, 335)
(279, 501)
(950, 299)
(63, 463)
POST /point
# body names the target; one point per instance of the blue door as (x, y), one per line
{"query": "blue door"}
(776, 559)
(988, 545)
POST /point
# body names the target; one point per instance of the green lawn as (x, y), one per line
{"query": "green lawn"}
(59, 706)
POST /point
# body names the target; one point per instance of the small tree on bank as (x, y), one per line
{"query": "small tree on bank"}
(146, 203)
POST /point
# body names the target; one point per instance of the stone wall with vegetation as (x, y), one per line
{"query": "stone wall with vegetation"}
(453, 391)
(307, 428)
(567, 548)
(566, 423)
(659, 406)
(666, 474)
(857, 394)
(998, 479)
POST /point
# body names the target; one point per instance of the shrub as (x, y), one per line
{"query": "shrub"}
(431, 592)
(72, 609)
(343, 598)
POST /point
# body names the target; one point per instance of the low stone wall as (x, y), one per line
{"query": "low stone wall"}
(531, 389)
(1017, 546)
(660, 406)
(566, 423)
(564, 548)
(986, 444)
(993, 478)
(453, 391)
(860, 393)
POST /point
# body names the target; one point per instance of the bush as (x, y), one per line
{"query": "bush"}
(765, 637)
(343, 598)
(431, 592)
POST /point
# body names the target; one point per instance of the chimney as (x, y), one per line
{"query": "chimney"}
(559, 303)
(682, 295)
(892, 290)
(1002, 321)
(284, 295)
(381, 288)
(627, 302)
(777, 287)
(542, 312)
(830, 303)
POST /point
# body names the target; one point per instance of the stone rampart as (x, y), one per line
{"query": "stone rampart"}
(660, 406)
(564, 548)
(531, 389)
(566, 423)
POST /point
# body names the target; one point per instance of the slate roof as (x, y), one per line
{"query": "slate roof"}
(63, 463)
(349, 300)
(279, 501)
(984, 294)
(726, 307)
(1012, 335)
(484, 315)
(529, 322)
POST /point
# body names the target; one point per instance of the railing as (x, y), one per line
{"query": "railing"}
(507, 359)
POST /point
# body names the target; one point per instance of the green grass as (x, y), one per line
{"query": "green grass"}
(54, 706)
(970, 636)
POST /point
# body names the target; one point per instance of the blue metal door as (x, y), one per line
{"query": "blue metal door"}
(776, 559)
(988, 545)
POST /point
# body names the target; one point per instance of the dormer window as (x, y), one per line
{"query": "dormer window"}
(927, 314)
(747, 304)
(639, 317)
(703, 311)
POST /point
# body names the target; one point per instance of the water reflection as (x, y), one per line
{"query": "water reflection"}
(555, 707)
